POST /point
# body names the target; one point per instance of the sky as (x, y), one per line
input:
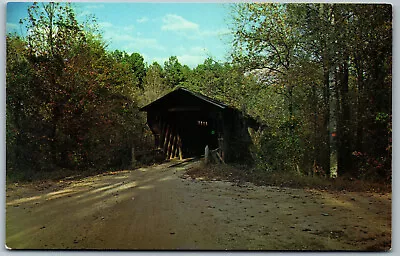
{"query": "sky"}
(190, 31)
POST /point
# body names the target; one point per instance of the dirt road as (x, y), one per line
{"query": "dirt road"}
(162, 208)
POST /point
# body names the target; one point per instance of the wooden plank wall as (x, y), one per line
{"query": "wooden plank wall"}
(170, 141)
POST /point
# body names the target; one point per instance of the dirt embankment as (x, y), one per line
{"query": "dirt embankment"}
(161, 207)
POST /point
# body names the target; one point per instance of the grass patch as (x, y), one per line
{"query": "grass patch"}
(240, 174)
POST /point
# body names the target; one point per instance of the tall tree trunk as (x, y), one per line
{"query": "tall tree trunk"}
(326, 15)
(344, 145)
(291, 115)
(326, 138)
(360, 91)
(316, 139)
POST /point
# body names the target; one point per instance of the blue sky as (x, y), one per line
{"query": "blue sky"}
(190, 31)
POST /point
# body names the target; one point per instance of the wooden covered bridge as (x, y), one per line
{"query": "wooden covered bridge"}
(184, 123)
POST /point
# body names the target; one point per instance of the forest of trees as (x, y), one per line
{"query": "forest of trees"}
(318, 77)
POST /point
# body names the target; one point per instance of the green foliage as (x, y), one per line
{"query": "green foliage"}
(316, 76)
(263, 37)
(154, 84)
(223, 82)
(175, 73)
(318, 67)
(69, 102)
(135, 63)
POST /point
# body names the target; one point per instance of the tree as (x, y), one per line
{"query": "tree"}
(135, 63)
(24, 119)
(313, 54)
(372, 61)
(343, 45)
(52, 32)
(154, 84)
(264, 40)
(175, 73)
(80, 103)
(221, 81)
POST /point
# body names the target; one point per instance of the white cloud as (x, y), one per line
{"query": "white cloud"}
(129, 28)
(131, 43)
(188, 29)
(138, 43)
(121, 38)
(191, 56)
(159, 60)
(124, 38)
(186, 59)
(142, 20)
(194, 50)
(94, 6)
(207, 33)
(172, 22)
(11, 27)
(198, 50)
(218, 32)
(111, 31)
(105, 24)
(191, 60)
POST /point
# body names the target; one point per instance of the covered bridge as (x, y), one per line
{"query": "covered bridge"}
(184, 122)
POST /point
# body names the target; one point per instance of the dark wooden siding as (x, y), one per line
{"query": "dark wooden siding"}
(183, 123)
